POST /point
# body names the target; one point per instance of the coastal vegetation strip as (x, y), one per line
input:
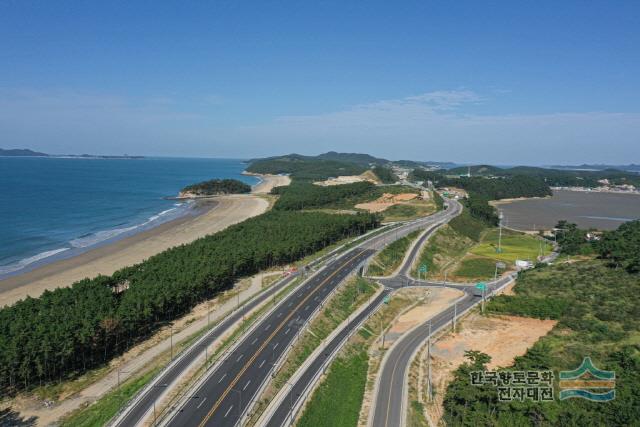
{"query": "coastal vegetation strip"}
(85, 325)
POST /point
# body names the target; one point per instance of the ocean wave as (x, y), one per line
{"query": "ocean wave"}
(100, 236)
(10, 268)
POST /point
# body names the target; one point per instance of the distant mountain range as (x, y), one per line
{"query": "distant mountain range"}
(365, 160)
(21, 152)
(25, 152)
(598, 167)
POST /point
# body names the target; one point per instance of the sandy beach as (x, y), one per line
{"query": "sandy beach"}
(222, 212)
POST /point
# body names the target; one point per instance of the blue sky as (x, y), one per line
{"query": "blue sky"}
(501, 82)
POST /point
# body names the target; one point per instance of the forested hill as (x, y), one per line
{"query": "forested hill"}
(20, 152)
(303, 167)
(553, 177)
(215, 187)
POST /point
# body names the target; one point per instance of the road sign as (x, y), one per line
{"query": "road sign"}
(501, 265)
(423, 268)
(386, 299)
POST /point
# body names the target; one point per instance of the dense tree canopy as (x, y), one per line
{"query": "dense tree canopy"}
(69, 330)
(622, 246)
(303, 167)
(217, 186)
(304, 195)
(385, 175)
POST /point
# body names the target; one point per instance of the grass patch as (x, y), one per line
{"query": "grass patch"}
(476, 268)
(389, 259)
(514, 246)
(108, 406)
(338, 399)
(442, 250)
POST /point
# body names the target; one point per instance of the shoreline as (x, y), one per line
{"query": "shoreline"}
(210, 215)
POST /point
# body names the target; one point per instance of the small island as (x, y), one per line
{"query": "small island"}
(214, 187)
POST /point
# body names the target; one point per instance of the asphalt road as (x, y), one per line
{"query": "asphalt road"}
(136, 411)
(389, 410)
(283, 413)
(230, 388)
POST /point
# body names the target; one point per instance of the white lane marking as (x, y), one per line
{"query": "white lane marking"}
(254, 341)
(245, 386)
(228, 410)
(240, 357)
(276, 346)
(316, 298)
(279, 314)
(200, 404)
(262, 363)
(306, 308)
(222, 377)
(290, 304)
(287, 331)
(267, 327)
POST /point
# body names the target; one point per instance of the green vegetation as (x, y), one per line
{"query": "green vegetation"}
(597, 312)
(480, 209)
(338, 399)
(385, 175)
(555, 177)
(476, 268)
(514, 246)
(622, 246)
(439, 201)
(304, 195)
(468, 226)
(389, 259)
(104, 409)
(217, 186)
(70, 330)
(305, 167)
(442, 250)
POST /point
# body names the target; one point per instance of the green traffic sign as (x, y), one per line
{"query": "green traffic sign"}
(423, 268)
(386, 299)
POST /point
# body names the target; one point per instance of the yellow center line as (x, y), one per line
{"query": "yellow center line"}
(266, 342)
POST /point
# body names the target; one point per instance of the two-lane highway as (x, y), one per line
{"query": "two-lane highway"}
(229, 389)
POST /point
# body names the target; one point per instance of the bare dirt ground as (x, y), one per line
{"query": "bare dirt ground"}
(386, 201)
(501, 337)
(141, 357)
(438, 300)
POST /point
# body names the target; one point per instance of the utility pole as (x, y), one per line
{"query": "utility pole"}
(500, 216)
(455, 314)
(171, 342)
(429, 389)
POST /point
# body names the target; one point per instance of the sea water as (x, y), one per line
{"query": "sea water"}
(52, 208)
